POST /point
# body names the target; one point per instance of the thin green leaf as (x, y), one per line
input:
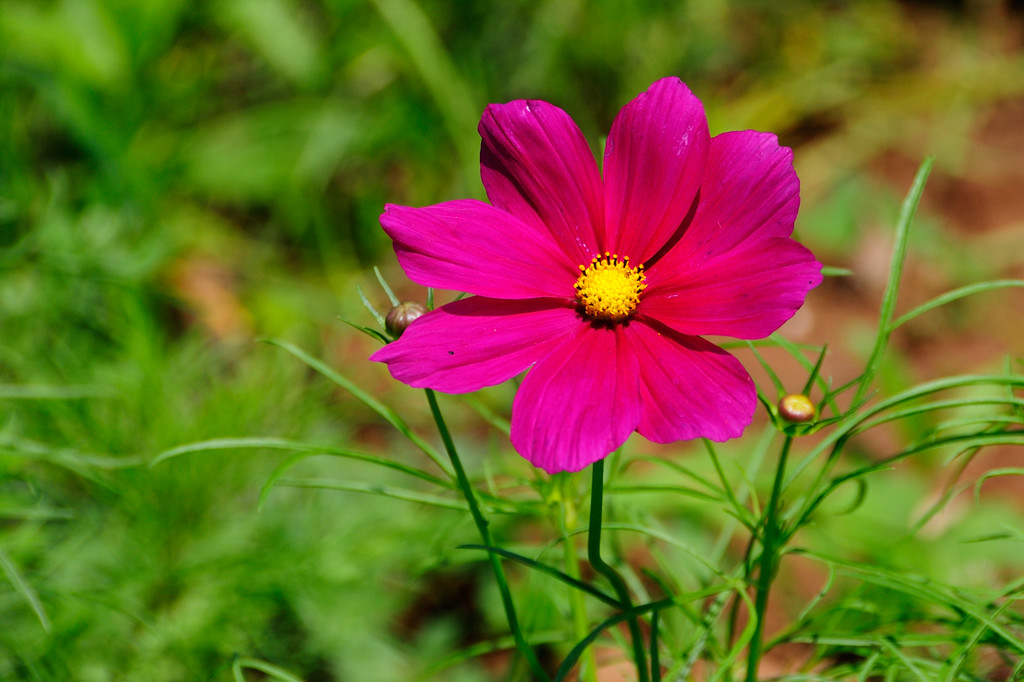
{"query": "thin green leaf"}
(668, 539)
(675, 489)
(740, 645)
(25, 590)
(835, 271)
(907, 663)
(551, 571)
(957, 294)
(41, 392)
(374, 489)
(375, 334)
(34, 514)
(934, 407)
(780, 389)
(75, 460)
(570, 661)
(869, 665)
(383, 410)
(805, 613)
(836, 440)
(384, 285)
(705, 637)
(994, 473)
(740, 512)
(966, 442)
(813, 369)
(892, 286)
(304, 450)
(369, 307)
(269, 669)
(957, 660)
(1018, 410)
(655, 665)
(486, 647)
(919, 588)
(675, 466)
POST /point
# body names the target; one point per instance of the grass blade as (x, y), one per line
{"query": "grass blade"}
(24, 589)
(374, 489)
(270, 669)
(957, 294)
(549, 570)
(380, 408)
(892, 287)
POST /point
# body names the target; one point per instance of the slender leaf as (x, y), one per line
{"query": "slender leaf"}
(374, 489)
(955, 295)
(274, 671)
(370, 307)
(384, 285)
(892, 286)
(380, 408)
(25, 590)
(304, 450)
(570, 661)
(41, 392)
(551, 571)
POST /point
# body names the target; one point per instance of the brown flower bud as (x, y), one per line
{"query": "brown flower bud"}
(401, 316)
(797, 408)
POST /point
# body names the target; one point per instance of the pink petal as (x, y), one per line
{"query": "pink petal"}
(690, 388)
(535, 164)
(477, 342)
(579, 403)
(746, 293)
(467, 245)
(750, 192)
(653, 165)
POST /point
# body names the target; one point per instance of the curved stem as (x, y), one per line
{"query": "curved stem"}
(594, 554)
(771, 542)
(485, 535)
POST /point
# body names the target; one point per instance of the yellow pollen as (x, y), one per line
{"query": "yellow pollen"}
(608, 289)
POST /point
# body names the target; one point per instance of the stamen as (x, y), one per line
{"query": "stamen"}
(609, 289)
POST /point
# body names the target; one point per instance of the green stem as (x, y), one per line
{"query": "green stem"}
(577, 603)
(594, 554)
(485, 535)
(770, 545)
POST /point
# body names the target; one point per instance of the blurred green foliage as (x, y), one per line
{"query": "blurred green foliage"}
(179, 177)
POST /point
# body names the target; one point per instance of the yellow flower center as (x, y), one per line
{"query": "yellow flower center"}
(608, 289)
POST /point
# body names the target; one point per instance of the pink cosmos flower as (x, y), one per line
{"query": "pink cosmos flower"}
(603, 287)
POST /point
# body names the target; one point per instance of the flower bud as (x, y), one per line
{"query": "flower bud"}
(401, 316)
(797, 408)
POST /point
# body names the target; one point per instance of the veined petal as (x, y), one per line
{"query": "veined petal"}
(750, 192)
(467, 245)
(536, 164)
(579, 403)
(746, 293)
(690, 388)
(653, 165)
(476, 342)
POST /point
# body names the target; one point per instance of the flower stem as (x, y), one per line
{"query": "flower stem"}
(485, 535)
(577, 603)
(771, 543)
(594, 554)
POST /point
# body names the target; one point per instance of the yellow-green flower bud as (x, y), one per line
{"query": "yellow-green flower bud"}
(401, 316)
(797, 408)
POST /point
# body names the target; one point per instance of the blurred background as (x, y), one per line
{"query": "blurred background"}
(180, 179)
